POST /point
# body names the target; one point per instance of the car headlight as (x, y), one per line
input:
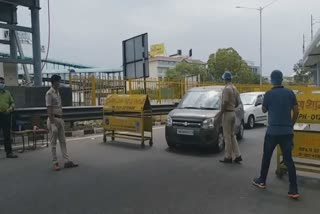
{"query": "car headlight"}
(169, 121)
(208, 123)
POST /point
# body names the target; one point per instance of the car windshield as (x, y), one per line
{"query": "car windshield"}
(248, 99)
(201, 100)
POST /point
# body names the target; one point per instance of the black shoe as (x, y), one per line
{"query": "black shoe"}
(293, 192)
(258, 183)
(226, 160)
(70, 164)
(238, 159)
(11, 155)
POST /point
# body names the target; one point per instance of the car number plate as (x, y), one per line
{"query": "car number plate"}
(185, 132)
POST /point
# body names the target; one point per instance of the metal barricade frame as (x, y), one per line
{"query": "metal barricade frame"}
(128, 117)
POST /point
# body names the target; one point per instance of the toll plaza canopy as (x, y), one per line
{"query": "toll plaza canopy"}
(311, 58)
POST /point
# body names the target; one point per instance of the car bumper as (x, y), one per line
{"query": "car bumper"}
(199, 137)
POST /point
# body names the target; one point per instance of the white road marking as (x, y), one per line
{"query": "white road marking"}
(83, 138)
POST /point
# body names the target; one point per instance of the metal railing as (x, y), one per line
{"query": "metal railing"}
(91, 89)
(164, 91)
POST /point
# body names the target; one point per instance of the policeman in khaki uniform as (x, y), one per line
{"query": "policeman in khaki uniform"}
(230, 101)
(6, 107)
(55, 124)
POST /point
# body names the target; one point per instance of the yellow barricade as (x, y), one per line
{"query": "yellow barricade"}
(306, 150)
(128, 117)
(307, 145)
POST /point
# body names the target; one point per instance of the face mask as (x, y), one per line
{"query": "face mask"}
(2, 86)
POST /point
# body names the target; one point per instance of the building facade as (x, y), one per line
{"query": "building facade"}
(255, 69)
(159, 65)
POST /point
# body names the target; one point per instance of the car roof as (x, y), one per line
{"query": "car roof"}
(208, 88)
(254, 93)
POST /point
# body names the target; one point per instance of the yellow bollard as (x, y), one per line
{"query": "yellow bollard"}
(159, 92)
(130, 87)
(93, 91)
(182, 89)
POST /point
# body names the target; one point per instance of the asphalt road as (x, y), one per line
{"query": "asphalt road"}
(122, 178)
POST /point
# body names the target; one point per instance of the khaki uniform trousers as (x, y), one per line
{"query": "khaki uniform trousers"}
(228, 125)
(57, 132)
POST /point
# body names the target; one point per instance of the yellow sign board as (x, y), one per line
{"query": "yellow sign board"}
(309, 107)
(127, 103)
(130, 124)
(157, 49)
(306, 145)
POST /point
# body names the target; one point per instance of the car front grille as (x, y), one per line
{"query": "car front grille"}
(185, 123)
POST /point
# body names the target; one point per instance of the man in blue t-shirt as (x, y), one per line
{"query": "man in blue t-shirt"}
(279, 102)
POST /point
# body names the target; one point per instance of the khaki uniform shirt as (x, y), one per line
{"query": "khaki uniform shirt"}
(53, 99)
(230, 97)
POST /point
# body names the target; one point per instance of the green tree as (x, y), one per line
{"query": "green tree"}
(302, 75)
(185, 69)
(228, 59)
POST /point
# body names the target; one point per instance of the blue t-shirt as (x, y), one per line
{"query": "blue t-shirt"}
(279, 102)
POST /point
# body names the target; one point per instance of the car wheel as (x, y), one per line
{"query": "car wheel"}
(251, 122)
(220, 142)
(241, 131)
(171, 145)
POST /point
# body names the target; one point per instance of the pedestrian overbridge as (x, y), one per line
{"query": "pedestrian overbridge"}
(311, 58)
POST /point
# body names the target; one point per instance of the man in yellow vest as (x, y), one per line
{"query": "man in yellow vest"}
(6, 108)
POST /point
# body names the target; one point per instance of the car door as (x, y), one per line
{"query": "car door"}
(258, 109)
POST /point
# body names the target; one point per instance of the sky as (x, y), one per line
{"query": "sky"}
(91, 32)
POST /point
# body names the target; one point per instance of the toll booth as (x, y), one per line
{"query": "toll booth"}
(128, 117)
(306, 148)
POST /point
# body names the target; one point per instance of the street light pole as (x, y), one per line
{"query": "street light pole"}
(260, 10)
(312, 27)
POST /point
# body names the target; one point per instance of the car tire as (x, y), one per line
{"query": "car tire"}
(251, 122)
(220, 142)
(241, 131)
(171, 145)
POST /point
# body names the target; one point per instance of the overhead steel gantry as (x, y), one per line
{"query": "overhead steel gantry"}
(8, 20)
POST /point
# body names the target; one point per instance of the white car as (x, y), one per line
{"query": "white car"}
(252, 103)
